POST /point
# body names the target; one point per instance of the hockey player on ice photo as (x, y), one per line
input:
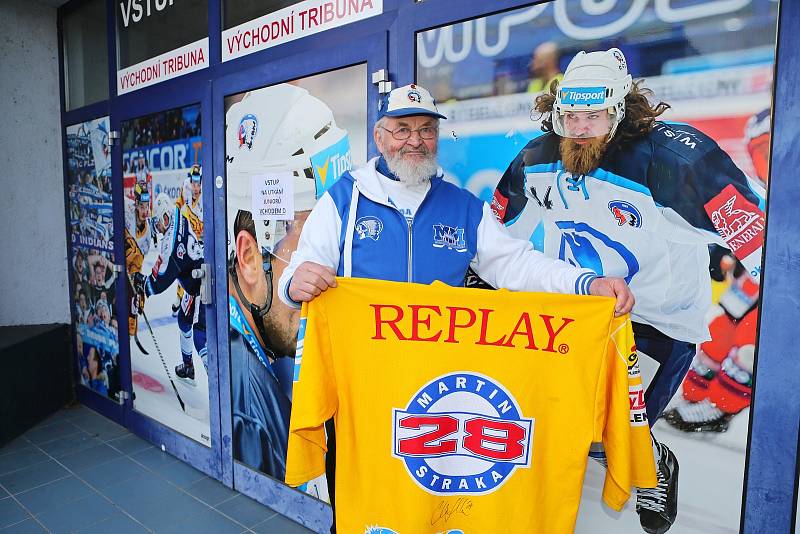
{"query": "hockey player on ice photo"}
(190, 203)
(611, 188)
(191, 196)
(138, 238)
(180, 258)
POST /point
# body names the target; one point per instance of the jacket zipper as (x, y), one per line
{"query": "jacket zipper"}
(410, 223)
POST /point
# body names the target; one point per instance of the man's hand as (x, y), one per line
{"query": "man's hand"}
(138, 281)
(617, 288)
(309, 280)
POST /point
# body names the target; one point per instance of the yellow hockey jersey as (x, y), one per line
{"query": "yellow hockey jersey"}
(463, 410)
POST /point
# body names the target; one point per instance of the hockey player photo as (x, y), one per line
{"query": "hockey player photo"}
(164, 260)
(263, 330)
(661, 180)
(93, 276)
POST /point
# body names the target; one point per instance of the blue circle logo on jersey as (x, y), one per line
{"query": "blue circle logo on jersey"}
(625, 213)
(462, 434)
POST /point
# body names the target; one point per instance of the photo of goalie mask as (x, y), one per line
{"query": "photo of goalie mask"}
(303, 130)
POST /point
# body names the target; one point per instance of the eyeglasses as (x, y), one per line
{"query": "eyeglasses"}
(426, 132)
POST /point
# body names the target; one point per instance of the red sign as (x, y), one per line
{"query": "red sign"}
(737, 220)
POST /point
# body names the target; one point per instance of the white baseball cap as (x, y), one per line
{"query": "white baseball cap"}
(408, 100)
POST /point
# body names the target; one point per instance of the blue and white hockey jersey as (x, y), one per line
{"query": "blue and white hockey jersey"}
(181, 252)
(358, 230)
(646, 214)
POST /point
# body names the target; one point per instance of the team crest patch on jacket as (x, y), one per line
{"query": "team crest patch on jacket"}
(625, 213)
(450, 237)
(369, 227)
(462, 434)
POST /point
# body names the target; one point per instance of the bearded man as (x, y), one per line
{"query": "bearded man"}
(610, 188)
(396, 219)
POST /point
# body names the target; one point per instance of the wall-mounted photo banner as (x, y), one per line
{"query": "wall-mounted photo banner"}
(92, 258)
(677, 208)
(162, 180)
(158, 40)
(293, 22)
(284, 146)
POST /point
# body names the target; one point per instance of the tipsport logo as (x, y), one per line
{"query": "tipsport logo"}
(462, 434)
(329, 164)
(583, 95)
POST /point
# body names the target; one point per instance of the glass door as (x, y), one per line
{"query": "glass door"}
(167, 310)
(284, 132)
(94, 278)
(696, 340)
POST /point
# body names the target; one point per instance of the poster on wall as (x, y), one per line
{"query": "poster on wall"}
(285, 145)
(162, 180)
(677, 208)
(92, 256)
(159, 40)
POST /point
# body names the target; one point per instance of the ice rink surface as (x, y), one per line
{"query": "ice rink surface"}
(711, 475)
(155, 397)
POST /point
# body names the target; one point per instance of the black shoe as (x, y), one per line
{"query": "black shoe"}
(184, 371)
(657, 507)
(711, 422)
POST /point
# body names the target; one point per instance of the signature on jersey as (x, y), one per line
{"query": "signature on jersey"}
(445, 510)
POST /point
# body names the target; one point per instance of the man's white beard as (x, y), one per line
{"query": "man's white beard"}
(412, 172)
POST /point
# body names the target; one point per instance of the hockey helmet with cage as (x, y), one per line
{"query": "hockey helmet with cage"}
(195, 173)
(278, 131)
(164, 207)
(281, 130)
(593, 81)
(141, 194)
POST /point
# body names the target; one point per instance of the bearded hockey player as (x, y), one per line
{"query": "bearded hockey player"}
(276, 130)
(611, 188)
(181, 255)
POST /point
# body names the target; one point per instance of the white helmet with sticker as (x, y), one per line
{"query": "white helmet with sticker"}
(593, 81)
(281, 129)
(164, 206)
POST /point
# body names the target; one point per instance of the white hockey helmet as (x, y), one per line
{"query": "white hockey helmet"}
(164, 206)
(594, 81)
(281, 129)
